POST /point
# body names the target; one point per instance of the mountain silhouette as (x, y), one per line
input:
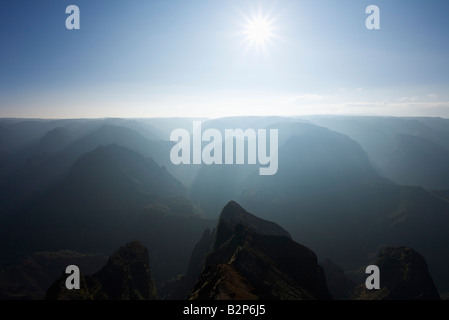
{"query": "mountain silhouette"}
(30, 279)
(408, 162)
(404, 275)
(334, 201)
(55, 140)
(111, 194)
(345, 186)
(256, 259)
(110, 179)
(43, 163)
(126, 276)
(400, 148)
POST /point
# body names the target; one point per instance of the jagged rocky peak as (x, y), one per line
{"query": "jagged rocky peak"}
(233, 214)
(256, 259)
(134, 252)
(126, 276)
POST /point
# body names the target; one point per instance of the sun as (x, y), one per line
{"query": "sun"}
(259, 31)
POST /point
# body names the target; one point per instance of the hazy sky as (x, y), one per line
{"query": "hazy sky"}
(212, 58)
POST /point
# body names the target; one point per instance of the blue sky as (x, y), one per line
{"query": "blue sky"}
(145, 58)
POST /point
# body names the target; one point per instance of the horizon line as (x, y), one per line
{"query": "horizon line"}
(222, 117)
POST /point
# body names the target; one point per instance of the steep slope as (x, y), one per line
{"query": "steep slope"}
(246, 264)
(112, 194)
(332, 200)
(169, 228)
(109, 179)
(119, 172)
(112, 134)
(19, 134)
(233, 214)
(401, 148)
(126, 276)
(55, 140)
(43, 170)
(442, 193)
(340, 285)
(312, 159)
(179, 288)
(325, 191)
(409, 159)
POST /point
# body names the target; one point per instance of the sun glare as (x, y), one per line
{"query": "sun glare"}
(259, 31)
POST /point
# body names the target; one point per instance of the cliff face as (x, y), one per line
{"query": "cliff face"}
(126, 276)
(340, 286)
(256, 259)
(248, 258)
